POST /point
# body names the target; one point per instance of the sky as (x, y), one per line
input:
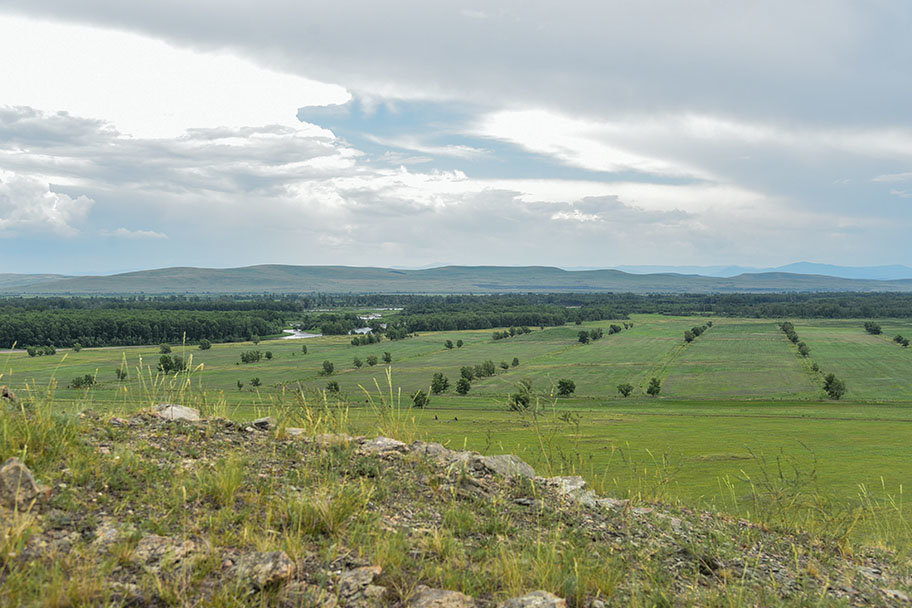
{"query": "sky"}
(141, 134)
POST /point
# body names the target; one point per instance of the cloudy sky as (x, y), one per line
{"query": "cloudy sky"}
(148, 134)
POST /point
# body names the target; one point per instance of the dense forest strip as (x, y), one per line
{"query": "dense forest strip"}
(126, 321)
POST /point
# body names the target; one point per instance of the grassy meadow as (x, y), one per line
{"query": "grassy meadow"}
(741, 413)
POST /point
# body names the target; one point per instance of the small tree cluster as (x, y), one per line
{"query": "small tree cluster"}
(834, 387)
(169, 364)
(900, 340)
(654, 387)
(365, 339)
(695, 332)
(873, 328)
(420, 399)
(86, 381)
(509, 333)
(251, 356)
(38, 351)
(789, 331)
(121, 373)
(439, 383)
(565, 387)
(615, 329)
(397, 333)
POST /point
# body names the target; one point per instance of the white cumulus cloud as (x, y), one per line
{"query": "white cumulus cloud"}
(28, 203)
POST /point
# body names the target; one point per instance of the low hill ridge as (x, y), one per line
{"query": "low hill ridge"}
(166, 507)
(277, 278)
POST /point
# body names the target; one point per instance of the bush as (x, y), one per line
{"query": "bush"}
(420, 399)
(77, 347)
(515, 362)
(448, 344)
(205, 344)
(872, 328)
(689, 336)
(654, 388)
(255, 382)
(255, 339)
(387, 357)
(328, 368)
(834, 387)
(171, 364)
(439, 383)
(251, 356)
(304, 349)
(83, 381)
(164, 348)
(463, 386)
(583, 337)
(565, 387)
(372, 360)
(268, 354)
(803, 349)
(357, 362)
(121, 373)
(459, 343)
(504, 365)
(625, 389)
(332, 387)
(467, 372)
(522, 398)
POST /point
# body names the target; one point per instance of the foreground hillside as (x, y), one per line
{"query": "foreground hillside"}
(276, 278)
(153, 510)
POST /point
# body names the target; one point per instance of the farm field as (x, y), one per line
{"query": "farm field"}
(736, 403)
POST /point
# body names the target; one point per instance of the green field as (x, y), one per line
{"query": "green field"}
(733, 401)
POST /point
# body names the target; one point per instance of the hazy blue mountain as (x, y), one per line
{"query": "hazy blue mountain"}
(878, 273)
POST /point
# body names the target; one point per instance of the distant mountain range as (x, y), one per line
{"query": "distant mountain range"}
(877, 273)
(447, 279)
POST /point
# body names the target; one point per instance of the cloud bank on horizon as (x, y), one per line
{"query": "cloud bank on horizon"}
(136, 135)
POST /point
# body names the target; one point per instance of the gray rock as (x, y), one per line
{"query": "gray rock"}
(536, 599)
(294, 432)
(299, 595)
(573, 489)
(18, 489)
(897, 595)
(382, 445)
(265, 569)
(156, 551)
(509, 465)
(356, 588)
(265, 424)
(170, 411)
(440, 598)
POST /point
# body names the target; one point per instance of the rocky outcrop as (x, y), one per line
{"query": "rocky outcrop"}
(18, 488)
(536, 599)
(169, 411)
(262, 570)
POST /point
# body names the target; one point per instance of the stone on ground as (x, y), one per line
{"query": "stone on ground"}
(17, 485)
(440, 598)
(536, 599)
(265, 569)
(169, 411)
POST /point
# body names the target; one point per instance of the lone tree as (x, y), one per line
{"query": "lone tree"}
(372, 360)
(584, 337)
(689, 335)
(655, 387)
(205, 344)
(439, 383)
(255, 339)
(387, 357)
(834, 387)
(328, 368)
(515, 362)
(332, 387)
(448, 344)
(565, 387)
(164, 348)
(420, 399)
(458, 343)
(357, 362)
(304, 349)
(625, 389)
(255, 382)
(463, 386)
